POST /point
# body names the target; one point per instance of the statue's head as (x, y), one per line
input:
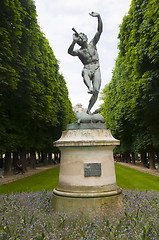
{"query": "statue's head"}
(82, 39)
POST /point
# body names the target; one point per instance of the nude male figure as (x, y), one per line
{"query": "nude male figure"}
(89, 57)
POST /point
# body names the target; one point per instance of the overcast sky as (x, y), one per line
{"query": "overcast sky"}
(56, 19)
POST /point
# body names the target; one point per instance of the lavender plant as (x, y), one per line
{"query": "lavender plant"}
(29, 216)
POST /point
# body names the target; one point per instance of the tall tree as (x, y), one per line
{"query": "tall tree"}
(133, 91)
(34, 101)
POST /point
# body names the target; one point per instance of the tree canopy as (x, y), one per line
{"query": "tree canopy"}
(131, 99)
(34, 101)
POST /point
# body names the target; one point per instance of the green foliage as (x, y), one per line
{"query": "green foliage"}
(34, 102)
(131, 99)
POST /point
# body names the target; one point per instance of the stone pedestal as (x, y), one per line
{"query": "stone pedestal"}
(87, 175)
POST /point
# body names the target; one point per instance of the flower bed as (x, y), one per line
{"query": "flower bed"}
(30, 216)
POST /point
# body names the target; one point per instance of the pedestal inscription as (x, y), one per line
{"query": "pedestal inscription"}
(92, 169)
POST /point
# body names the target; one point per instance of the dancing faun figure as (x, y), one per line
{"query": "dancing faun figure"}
(89, 57)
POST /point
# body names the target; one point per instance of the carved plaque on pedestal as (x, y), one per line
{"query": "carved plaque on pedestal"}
(92, 169)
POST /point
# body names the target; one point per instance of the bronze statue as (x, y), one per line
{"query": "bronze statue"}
(89, 57)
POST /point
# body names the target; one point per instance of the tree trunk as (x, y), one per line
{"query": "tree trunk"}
(32, 159)
(143, 158)
(152, 159)
(39, 157)
(23, 159)
(44, 158)
(8, 164)
(56, 157)
(121, 158)
(50, 158)
(129, 158)
(15, 159)
(124, 157)
(133, 158)
(157, 157)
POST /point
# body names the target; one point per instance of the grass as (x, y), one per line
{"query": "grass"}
(45, 180)
(127, 178)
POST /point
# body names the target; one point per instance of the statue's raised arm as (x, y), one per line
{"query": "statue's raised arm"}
(99, 28)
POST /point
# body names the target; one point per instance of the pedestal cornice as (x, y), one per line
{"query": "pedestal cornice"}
(86, 137)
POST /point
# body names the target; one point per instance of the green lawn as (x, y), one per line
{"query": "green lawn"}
(127, 178)
(45, 180)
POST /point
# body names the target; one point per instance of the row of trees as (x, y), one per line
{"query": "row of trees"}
(131, 99)
(34, 102)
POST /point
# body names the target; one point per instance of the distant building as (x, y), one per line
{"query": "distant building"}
(78, 108)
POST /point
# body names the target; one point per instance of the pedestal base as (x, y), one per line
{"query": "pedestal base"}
(89, 202)
(87, 175)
